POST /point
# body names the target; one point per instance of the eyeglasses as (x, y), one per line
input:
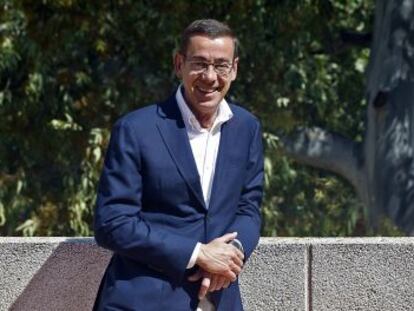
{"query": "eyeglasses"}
(223, 69)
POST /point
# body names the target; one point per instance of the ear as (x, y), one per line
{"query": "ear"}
(178, 64)
(234, 71)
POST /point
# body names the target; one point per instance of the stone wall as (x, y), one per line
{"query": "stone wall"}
(284, 274)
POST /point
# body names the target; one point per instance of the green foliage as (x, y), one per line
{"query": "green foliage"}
(69, 69)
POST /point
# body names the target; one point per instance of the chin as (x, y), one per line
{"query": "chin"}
(205, 105)
(208, 105)
(210, 102)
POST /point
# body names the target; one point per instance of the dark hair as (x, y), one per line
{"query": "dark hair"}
(210, 28)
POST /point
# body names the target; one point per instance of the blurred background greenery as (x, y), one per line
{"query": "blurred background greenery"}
(69, 69)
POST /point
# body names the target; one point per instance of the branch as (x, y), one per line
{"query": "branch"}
(319, 148)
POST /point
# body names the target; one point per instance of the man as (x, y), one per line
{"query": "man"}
(178, 200)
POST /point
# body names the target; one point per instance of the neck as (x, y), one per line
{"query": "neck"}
(206, 120)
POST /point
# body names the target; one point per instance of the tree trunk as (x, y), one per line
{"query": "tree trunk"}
(381, 169)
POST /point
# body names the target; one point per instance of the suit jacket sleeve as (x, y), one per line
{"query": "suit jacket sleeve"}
(119, 223)
(248, 220)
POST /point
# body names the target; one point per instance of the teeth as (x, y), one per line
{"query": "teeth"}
(206, 91)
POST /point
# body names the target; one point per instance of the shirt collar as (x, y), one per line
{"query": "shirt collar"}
(224, 113)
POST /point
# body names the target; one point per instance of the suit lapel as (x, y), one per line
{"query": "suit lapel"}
(174, 135)
(226, 140)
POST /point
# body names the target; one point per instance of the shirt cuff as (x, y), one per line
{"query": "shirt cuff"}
(194, 256)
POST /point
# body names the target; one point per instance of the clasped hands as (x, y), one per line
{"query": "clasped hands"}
(220, 263)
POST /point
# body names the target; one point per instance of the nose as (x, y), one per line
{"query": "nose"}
(210, 74)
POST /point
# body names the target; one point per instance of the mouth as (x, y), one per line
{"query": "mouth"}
(206, 91)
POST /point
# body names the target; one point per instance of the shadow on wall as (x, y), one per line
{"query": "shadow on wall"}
(67, 280)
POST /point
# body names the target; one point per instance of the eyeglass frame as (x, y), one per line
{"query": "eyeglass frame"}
(206, 67)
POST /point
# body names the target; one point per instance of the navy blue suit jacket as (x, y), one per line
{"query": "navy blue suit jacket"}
(150, 210)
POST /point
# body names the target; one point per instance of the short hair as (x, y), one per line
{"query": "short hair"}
(210, 28)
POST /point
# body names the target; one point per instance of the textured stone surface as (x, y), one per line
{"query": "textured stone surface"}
(49, 273)
(363, 274)
(283, 274)
(274, 277)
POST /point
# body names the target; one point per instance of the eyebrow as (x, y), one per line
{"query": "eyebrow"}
(218, 60)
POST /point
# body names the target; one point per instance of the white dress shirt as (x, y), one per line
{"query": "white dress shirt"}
(204, 142)
(204, 145)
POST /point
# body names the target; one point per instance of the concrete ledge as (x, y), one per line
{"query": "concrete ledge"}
(283, 274)
(50, 273)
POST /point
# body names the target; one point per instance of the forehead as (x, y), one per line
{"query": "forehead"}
(210, 48)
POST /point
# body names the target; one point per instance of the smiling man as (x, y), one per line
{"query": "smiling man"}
(179, 196)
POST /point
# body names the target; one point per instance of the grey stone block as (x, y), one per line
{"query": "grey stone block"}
(274, 277)
(50, 273)
(64, 274)
(363, 274)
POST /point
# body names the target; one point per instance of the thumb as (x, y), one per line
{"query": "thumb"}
(227, 237)
(196, 276)
(205, 284)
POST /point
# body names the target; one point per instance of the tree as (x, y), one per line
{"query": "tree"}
(69, 69)
(380, 167)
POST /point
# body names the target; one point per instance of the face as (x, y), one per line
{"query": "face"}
(205, 90)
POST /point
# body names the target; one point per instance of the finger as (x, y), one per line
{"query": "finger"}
(220, 282)
(230, 275)
(205, 284)
(237, 261)
(235, 268)
(227, 237)
(196, 276)
(213, 284)
(226, 283)
(240, 254)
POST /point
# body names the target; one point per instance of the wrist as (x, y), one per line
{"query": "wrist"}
(200, 256)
